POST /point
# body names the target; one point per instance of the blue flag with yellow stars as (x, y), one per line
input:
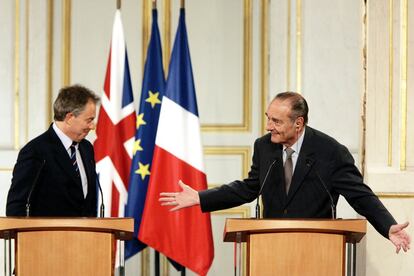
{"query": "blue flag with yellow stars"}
(153, 86)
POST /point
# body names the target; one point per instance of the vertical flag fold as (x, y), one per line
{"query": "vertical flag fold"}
(116, 125)
(153, 86)
(184, 236)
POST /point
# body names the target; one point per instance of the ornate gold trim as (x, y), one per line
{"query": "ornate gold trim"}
(264, 78)
(165, 265)
(299, 46)
(403, 83)
(167, 36)
(395, 195)
(66, 41)
(26, 88)
(245, 126)
(390, 77)
(244, 151)
(146, 28)
(16, 74)
(145, 261)
(288, 43)
(49, 62)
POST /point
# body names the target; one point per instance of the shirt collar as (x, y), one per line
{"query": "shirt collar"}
(66, 141)
(298, 144)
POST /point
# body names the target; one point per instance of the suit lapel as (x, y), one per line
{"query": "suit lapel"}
(276, 174)
(62, 157)
(303, 164)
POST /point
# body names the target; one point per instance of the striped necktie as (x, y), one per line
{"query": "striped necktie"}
(73, 158)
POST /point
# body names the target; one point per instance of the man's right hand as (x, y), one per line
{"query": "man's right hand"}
(186, 198)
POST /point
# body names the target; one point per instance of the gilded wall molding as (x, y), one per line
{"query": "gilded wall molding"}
(49, 62)
(264, 61)
(66, 41)
(167, 36)
(390, 77)
(26, 71)
(16, 74)
(392, 195)
(403, 83)
(243, 151)
(299, 46)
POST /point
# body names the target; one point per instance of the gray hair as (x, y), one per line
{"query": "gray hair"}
(298, 104)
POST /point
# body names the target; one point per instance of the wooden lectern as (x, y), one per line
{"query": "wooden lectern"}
(295, 247)
(65, 246)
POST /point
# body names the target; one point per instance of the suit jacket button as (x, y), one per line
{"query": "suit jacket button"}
(285, 211)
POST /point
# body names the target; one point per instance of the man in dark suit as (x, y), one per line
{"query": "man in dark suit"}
(55, 172)
(302, 164)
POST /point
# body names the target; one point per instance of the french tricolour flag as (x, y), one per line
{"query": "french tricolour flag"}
(184, 236)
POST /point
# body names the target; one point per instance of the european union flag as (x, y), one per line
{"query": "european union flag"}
(153, 86)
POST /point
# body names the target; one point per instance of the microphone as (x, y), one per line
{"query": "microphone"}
(333, 207)
(29, 197)
(102, 207)
(261, 189)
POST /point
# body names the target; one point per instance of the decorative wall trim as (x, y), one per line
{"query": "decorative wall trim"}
(403, 83)
(49, 62)
(243, 151)
(395, 195)
(264, 61)
(299, 46)
(167, 36)
(66, 41)
(390, 77)
(16, 74)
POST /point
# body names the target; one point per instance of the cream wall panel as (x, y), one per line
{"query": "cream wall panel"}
(217, 57)
(7, 76)
(385, 127)
(37, 53)
(57, 47)
(332, 62)
(378, 83)
(410, 86)
(91, 42)
(381, 259)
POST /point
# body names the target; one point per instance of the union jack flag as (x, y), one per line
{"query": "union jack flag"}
(115, 129)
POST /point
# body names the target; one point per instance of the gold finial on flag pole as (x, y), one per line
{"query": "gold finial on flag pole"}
(118, 4)
(182, 4)
(154, 4)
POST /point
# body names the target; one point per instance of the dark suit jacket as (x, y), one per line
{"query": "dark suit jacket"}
(58, 191)
(320, 155)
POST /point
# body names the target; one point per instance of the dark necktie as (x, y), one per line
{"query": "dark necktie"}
(73, 158)
(288, 168)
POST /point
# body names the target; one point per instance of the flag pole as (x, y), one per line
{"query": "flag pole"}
(154, 4)
(118, 4)
(182, 4)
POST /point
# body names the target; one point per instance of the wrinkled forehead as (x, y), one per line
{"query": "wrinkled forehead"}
(279, 107)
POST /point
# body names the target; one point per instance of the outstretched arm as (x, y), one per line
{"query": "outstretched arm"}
(186, 198)
(399, 237)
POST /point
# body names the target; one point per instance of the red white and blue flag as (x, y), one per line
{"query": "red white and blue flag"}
(115, 129)
(184, 236)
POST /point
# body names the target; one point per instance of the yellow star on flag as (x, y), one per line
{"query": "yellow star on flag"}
(153, 99)
(140, 120)
(143, 170)
(137, 146)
